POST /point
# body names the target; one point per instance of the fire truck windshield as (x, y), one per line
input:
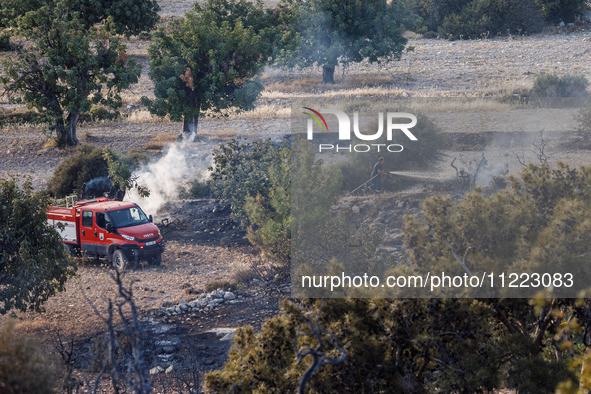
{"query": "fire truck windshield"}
(128, 217)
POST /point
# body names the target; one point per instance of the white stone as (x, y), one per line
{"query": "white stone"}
(229, 296)
(156, 370)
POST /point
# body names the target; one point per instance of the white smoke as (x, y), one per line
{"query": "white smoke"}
(182, 162)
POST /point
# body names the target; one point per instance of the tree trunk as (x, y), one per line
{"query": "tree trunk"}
(328, 74)
(190, 123)
(71, 139)
(60, 132)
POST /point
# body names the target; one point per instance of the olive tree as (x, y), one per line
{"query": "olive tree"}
(205, 63)
(34, 264)
(64, 68)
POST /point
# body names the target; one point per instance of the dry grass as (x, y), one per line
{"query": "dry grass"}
(223, 133)
(50, 143)
(144, 116)
(159, 142)
(266, 111)
(411, 35)
(313, 84)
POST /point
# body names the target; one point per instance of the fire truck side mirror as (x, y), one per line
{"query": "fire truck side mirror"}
(151, 218)
(110, 228)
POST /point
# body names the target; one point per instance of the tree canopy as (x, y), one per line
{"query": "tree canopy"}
(34, 264)
(128, 17)
(65, 68)
(330, 33)
(206, 63)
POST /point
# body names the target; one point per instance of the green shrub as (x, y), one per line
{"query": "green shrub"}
(89, 162)
(23, 368)
(196, 188)
(433, 12)
(389, 344)
(552, 85)
(5, 42)
(34, 264)
(99, 113)
(480, 18)
(69, 177)
(240, 169)
(15, 118)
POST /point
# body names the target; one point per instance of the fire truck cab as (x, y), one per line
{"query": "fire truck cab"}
(114, 230)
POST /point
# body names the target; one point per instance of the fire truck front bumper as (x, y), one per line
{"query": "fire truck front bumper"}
(143, 252)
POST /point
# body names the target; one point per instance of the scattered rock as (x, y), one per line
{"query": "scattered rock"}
(156, 370)
(229, 296)
(225, 333)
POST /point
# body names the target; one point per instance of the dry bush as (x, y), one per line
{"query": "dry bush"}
(221, 284)
(159, 142)
(23, 368)
(267, 111)
(143, 116)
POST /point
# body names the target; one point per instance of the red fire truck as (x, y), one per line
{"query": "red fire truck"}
(114, 230)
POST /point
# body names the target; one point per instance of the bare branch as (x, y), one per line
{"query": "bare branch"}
(318, 353)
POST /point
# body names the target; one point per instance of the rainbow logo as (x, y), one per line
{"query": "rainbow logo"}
(325, 127)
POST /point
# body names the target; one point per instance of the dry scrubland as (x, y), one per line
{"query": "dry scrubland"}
(436, 68)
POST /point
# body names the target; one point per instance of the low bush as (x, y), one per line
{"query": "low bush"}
(73, 172)
(23, 368)
(5, 43)
(196, 188)
(481, 18)
(552, 85)
(98, 113)
(89, 162)
(16, 118)
(240, 169)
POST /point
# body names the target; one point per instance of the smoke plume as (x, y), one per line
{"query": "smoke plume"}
(181, 162)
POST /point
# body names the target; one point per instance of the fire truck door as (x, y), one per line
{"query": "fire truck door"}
(87, 238)
(102, 220)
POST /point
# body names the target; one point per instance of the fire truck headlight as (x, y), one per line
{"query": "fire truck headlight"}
(128, 237)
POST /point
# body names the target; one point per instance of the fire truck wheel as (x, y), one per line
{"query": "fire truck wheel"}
(156, 260)
(120, 261)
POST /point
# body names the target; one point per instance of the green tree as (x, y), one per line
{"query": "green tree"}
(330, 33)
(128, 17)
(34, 264)
(66, 68)
(205, 64)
